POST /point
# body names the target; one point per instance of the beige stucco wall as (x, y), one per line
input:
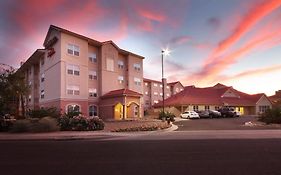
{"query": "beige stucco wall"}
(263, 101)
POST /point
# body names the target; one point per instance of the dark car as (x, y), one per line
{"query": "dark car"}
(228, 112)
(203, 114)
(214, 114)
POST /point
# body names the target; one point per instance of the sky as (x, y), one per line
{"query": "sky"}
(234, 42)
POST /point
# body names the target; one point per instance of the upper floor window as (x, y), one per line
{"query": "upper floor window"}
(93, 92)
(109, 64)
(42, 95)
(29, 98)
(120, 64)
(155, 84)
(155, 93)
(93, 75)
(160, 85)
(137, 66)
(42, 77)
(168, 95)
(73, 49)
(146, 93)
(137, 81)
(73, 90)
(73, 69)
(155, 101)
(161, 94)
(93, 57)
(146, 84)
(120, 79)
(168, 87)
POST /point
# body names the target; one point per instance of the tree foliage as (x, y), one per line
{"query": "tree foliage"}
(13, 89)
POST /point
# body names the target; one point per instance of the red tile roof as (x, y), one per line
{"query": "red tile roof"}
(121, 92)
(211, 96)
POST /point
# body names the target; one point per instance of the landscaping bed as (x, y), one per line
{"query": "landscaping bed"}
(135, 125)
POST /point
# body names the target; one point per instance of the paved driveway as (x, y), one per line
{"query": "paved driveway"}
(223, 124)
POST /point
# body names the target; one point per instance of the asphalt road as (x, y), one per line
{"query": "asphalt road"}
(182, 156)
(221, 124)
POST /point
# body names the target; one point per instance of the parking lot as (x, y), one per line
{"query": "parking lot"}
(237, 123)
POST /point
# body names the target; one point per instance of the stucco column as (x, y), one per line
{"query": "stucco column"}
(125, 108)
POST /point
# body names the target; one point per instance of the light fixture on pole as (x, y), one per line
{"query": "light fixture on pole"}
(163, 52)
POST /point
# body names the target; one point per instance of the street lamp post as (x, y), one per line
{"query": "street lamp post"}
(163, 93)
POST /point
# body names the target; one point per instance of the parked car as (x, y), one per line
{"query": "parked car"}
(6, 122)
(190, 115)
(228, 112)
(214, 114)
(203, 114)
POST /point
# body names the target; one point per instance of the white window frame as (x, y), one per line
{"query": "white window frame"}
(42, 94)
(73, 49)
(73, 106)
(156, 101)
(155, 93)
(73, 90)
(120, 79)
(73, 69)
(137, 81)
(93, 57)
(93, 75)
(155, 84)
(95, 112)
(120, 64)
(42, 77)
(93, 92)
(137, 66)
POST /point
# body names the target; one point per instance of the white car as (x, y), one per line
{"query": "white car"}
(189, 114)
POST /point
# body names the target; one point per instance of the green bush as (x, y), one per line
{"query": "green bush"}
(44, 112)
(80, 123)
(168, 116)
(271, 116)
(46, 124)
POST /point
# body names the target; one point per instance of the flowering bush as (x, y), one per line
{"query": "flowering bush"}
(80, 123)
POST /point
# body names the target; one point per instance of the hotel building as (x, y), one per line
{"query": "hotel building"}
(77, 73)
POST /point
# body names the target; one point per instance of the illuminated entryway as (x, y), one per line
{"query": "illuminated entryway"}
(240, 109)
(133, 110)
(118, 111)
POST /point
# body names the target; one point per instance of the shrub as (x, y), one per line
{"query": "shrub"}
(271, 116)
(168, 116)
(21, 126)
(44, 112)
(46, 124)
(80, 123)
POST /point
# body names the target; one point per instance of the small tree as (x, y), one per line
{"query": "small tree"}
(13, 90)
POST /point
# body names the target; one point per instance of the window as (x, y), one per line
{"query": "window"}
(137, 66)
(147, 102)
(155, 101)
(161, 94)
(168, 87)
(137, 81)
(155, 93)
(207, 107)
(93, 92)
(262, 109)
(146, 84)
(73, 49)
(121, 79)
(93, 75)
(120, 64)
(195, 108)
(29, 98)
(73, 90)
(109, 64)
(93, 110)
(93, 57)
(161, 85)
(155, 84)
(217, 108)
(42, 77)
(73, 69)
(146, 93)
(42, 95)
(168, 95)
(42, 61)
(181, 89)
(29, 83)
(73, 108)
